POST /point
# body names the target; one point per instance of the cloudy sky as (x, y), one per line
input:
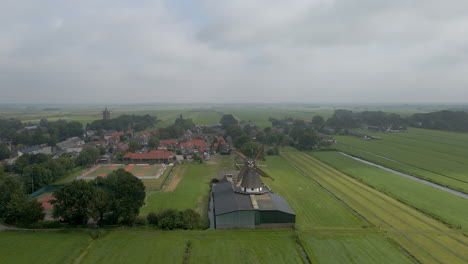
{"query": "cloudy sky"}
(318, 51)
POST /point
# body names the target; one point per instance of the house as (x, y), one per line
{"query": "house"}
(196, 145)
(70, 142)
(154, 156)
(168, 143)
(113, 138)
(122, 147)
(44, 149)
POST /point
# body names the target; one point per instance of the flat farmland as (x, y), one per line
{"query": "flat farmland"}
(426, 239)
(272, 246)
(441, 157)
(314, 207)
(438, 203)
(332, 247)
(41, 247)
(192, 192)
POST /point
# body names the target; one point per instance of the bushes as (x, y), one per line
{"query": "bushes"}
(171, 219)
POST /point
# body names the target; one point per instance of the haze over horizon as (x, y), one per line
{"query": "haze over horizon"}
(182, 51)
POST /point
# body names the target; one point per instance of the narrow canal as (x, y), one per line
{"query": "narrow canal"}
(463, 195)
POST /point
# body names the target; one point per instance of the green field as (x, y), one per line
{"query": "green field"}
(239, 246)
(425, 238)
(191, 193)
(352, 248)
(437, 156)
(437, 203)
(314, 207)
(41, 247)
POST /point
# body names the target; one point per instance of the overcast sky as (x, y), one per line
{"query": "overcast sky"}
(317, 51)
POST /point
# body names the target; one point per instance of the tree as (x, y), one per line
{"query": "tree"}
(170, 219)
(74, 202)
(126, 195)
(152, 218)
(234, 131)
(240, 141)
(4, 151)
(318, 122)
(308, 140)
(228, 120)
(8, 186)
(153, 142)
(134, 146)
(250, 149)
(100, 204)
(88, 156)
(190, 219)
(23, 211)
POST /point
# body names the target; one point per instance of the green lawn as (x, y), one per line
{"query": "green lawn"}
(314, 207)
(440, 204)
(71, 176)
(192, 191)
(137, 170)
(41, 247)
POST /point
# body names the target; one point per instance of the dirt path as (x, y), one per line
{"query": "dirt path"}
(175, 179)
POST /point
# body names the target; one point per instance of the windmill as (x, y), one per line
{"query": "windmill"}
(248, 180)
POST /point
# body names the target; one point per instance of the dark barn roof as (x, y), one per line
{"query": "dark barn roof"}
(226, 201)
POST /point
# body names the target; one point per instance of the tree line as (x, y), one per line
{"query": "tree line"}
(50, 132)
(124, 122)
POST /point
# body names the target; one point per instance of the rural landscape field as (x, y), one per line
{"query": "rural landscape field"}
(347, 211)
(175, 131)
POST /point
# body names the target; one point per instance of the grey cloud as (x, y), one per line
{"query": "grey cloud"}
(272, 50)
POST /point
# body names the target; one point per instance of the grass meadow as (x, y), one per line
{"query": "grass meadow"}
(438, 203)
(425, 238)
(437, 156)
(192, 192)
(314, 207)
(331, 248)
(41, 247)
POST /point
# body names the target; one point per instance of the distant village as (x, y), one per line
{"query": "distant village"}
(128, 146)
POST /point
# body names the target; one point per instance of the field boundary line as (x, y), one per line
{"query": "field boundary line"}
(404, 163)
(404, 235)
(329, 192)
(323, 168)
(395, 206)
(435, 217)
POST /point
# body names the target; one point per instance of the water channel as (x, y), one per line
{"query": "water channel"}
(457, 193)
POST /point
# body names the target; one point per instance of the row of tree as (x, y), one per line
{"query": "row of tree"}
(179, 127)
(441, 120)
(108, 200)
(170, 219)
(40, 170)
(15, 206)
(124, 122)
(47, 132)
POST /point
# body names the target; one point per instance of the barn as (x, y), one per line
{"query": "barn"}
(234, 210)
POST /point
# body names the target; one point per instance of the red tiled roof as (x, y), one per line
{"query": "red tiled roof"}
(152, 155)
(169, 141)
(118, 134)
(199, 143)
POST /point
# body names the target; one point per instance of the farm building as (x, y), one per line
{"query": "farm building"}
(234, 210)
(243, 201)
